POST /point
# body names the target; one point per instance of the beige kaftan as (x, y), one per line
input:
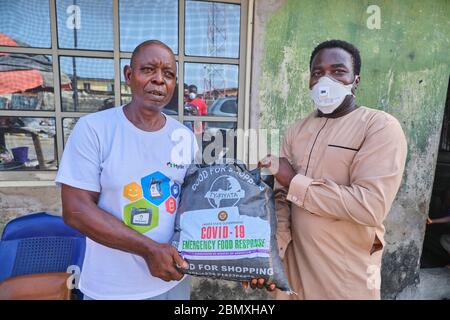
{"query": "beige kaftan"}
(349, 170)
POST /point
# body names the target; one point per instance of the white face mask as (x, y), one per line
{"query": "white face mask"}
(329, 93)
(192, 95)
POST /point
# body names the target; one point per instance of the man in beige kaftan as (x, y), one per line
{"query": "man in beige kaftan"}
(338, 174)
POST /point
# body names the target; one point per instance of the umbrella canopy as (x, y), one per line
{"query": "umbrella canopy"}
(19, 81)
(21, 72)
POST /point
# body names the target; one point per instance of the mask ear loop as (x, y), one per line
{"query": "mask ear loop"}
(353, 83)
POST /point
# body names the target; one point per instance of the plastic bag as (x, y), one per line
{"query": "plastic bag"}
(226, 225)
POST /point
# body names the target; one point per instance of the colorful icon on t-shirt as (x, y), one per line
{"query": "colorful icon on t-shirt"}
(141, 216)
(175, 190)
(156, 187)
(132, 191)
(171, 205)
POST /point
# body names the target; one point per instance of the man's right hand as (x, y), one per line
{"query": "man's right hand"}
(80, 211)
(280, 168)
(162, 260)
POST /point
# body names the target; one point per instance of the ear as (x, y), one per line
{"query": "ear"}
(127, 74)
(356, 83)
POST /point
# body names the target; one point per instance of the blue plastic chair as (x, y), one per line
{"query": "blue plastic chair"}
(39, 243)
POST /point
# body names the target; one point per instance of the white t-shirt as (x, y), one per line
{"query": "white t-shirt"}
(139, 176)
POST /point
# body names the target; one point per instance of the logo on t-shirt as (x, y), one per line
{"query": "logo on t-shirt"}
(148, 200)
(141, 216)
(175, 190)
(155, 189)
(174, 165)
(171, 205)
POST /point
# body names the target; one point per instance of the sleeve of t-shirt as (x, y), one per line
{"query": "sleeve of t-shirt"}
(80, 163)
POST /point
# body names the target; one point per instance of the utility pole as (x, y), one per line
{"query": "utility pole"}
(74, 65)
(214, 76)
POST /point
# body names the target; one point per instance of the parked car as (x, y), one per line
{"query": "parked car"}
(222, 107)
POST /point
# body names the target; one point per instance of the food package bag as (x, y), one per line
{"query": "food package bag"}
(226, 225)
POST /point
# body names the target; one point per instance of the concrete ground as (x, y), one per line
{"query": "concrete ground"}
(434, 285)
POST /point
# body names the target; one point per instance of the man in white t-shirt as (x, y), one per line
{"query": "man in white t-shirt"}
(121, 175)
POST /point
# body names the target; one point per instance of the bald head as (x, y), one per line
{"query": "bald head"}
(145, 44)
(153, 75)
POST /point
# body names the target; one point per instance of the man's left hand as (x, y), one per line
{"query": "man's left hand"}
(259, 283)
